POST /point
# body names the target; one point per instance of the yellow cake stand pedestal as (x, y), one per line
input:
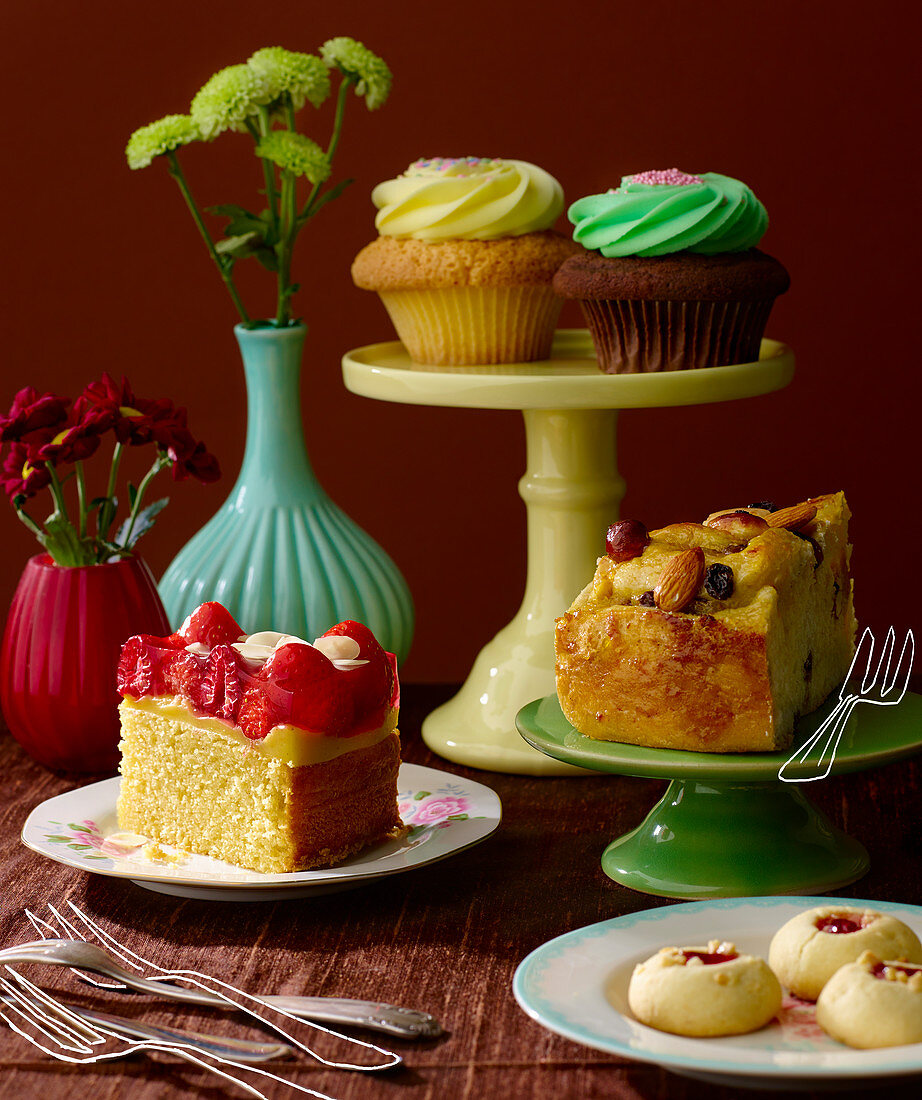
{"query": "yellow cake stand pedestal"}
(571, 490)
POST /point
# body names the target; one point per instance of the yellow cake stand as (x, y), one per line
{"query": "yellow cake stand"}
(571, 490)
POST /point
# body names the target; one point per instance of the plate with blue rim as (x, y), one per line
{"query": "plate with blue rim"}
(576, 986)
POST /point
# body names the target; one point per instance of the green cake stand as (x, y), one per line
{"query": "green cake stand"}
(727, 826)
(572, 491)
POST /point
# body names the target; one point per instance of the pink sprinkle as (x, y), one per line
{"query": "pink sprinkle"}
(665, 177)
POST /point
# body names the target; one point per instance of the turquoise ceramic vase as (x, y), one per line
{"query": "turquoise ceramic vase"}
(280, 554)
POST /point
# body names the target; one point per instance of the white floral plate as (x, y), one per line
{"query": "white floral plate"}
(576, 985)
(444, 812)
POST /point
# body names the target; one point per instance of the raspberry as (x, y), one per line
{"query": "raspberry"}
(135, 673)
(218, 692)
(212, 625)
(181, 674)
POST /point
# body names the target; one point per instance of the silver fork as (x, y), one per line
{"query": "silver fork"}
(206, 989)
(52, 1027)
(880, 689)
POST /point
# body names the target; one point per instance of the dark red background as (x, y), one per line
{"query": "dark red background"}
(814, 105)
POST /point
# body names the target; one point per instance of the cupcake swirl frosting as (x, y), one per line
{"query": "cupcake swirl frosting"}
(660, 212)
(467, 198)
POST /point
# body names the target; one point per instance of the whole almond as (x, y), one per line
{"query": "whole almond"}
(680, 580)
(794, 518)
(743, 524)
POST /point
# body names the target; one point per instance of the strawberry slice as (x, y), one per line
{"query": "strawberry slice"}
(256, 715)
(372, 685)
(212, 625)
(320, 696)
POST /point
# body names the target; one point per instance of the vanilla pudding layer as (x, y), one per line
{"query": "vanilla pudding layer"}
(290, 744)
(291, 802)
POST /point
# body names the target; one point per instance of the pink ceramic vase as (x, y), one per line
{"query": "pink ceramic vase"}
(60, 652)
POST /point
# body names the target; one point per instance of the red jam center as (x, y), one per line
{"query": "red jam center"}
(878, 969)
(838, 924)
(709, 958)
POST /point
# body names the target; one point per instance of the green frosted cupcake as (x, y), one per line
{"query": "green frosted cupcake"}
(671, 278)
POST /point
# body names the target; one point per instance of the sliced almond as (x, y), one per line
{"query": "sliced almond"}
(794, 518)
(680, 580)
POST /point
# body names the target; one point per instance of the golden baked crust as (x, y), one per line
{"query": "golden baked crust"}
(720, 675)
(531, 259)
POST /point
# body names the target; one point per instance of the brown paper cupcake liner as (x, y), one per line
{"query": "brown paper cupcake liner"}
(461, 326)
(632, 337)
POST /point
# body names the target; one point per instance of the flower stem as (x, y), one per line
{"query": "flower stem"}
(30, 523)
(284, 248)
(57, 491)
(81, 497)
(159, 462)
(223, 268)
(268, 174)
(343, 93)
(106, 514)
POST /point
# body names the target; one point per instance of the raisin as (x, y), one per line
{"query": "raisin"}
(718, 581)
(768, 505)
(626, 539)
(817, 549)
(647, 599)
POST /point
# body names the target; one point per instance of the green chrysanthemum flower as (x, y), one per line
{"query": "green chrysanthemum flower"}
(302, 75)
(295, 153)
(228, 98)
(373, 77)
(160, 137)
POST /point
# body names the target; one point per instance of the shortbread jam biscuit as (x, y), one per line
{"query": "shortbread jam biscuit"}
(873, 1003)
(712, 636)
(704, 991)
(807, 950)
(266, 751)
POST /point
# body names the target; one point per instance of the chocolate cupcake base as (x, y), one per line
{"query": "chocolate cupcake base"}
(679, 312)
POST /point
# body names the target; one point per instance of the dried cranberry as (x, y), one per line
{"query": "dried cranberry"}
(626, 539)
(718, 581)
(647, 599)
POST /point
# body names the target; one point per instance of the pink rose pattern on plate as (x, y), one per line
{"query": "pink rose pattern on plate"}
(422, 811)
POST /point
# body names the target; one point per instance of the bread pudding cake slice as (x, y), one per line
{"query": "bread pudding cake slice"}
(711, 636)
(264, 751)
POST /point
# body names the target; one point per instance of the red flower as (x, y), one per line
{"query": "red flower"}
(137, 420)
(78, 440)
(200, 464)
(31, 411)
(18, 476)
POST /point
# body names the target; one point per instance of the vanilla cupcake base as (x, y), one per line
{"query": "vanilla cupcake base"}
(465, 326)
(686, 996)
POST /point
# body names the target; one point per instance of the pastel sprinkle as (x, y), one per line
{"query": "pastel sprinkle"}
(665, 177)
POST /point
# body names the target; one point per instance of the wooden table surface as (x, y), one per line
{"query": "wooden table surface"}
(445, 938)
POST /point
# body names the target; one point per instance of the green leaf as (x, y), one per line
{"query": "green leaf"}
(57, 839)
(244, 244)
(132, 495)
(79, 828)
(421, 794)
(143, 522)
(64, 544)
(328, 196)
(267, 258)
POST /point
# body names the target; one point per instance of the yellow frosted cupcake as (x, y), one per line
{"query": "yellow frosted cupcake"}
(465, 259)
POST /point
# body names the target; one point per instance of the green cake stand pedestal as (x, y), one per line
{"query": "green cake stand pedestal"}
(727, 826)
(571, 490)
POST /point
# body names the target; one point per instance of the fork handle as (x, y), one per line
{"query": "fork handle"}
(407, 1023)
